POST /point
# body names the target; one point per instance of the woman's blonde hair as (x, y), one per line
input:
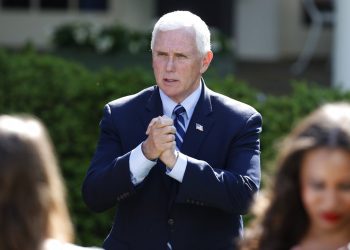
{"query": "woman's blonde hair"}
(32, 196)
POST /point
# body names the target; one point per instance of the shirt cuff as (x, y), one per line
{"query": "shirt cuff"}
(139, 165)
(178, 171)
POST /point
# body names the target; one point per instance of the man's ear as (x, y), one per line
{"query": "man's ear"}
(206, 61)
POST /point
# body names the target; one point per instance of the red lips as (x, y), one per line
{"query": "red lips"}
(330, 216)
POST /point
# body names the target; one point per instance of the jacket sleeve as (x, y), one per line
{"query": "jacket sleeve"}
(108, 178)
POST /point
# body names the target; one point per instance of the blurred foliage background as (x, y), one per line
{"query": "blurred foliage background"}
(69, 98)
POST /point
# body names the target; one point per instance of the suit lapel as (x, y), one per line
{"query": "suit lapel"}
(153, 108)
(200, 124)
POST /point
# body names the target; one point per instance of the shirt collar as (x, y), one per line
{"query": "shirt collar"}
(189, 103)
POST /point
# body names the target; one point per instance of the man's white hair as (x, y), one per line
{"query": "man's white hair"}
(184, 19)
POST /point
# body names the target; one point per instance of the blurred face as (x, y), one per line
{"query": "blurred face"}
(177, 63)
(325, 185)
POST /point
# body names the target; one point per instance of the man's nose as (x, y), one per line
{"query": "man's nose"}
(170, 65)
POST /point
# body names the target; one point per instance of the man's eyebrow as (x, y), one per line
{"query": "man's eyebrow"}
(160, 52)
(180, 54)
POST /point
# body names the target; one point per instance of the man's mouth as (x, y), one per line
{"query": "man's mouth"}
(169, 80)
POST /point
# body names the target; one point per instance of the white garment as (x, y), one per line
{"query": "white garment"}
(347, 247)
(52, 244)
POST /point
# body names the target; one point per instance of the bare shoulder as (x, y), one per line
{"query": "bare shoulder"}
(347, 247)
(52, 244)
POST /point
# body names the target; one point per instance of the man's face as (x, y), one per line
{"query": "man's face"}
(177, 63)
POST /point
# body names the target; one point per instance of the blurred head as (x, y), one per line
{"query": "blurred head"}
(180, 53)
(313, 176)
(32, 202)
(325, 189)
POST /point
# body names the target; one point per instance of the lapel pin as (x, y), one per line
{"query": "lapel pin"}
(199, 127)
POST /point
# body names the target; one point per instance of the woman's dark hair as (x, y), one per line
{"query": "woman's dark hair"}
(284, 222)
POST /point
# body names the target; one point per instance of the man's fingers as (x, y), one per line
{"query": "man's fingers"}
(160, 122)
(152, 123)
(167, 120)
(164, 121)
(169, 137)
(172, 130)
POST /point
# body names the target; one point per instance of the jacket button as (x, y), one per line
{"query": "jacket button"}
(171, 222)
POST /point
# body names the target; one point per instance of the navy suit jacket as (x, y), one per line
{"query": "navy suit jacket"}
(204, 211)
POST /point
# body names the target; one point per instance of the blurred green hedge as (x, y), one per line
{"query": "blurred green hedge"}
(69, 99)
(85, 36)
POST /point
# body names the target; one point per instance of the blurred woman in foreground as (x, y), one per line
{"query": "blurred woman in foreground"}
(33, 210)
(308, 206)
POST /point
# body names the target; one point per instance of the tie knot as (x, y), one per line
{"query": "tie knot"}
(179, 110)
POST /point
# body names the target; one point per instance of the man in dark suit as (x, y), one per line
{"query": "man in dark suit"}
(181, 176)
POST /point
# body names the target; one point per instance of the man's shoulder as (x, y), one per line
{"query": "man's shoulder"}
(221, 102)
(134, 99)
(53, 244)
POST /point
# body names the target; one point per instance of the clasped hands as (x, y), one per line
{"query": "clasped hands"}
(160, 143)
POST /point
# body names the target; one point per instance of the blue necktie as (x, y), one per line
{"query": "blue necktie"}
(179, 124)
